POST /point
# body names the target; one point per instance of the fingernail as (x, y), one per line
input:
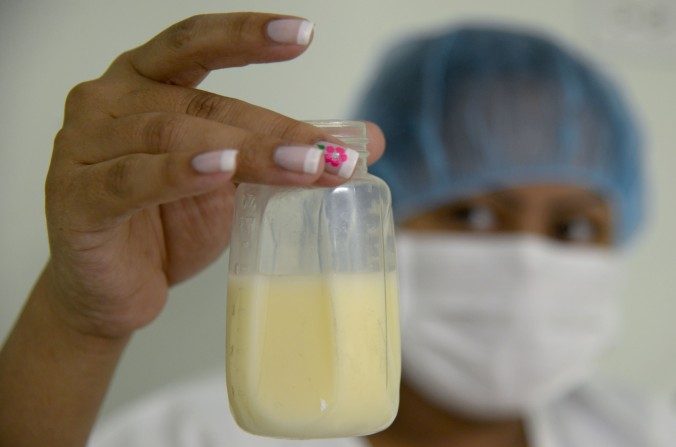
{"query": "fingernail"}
(338, 159)
(223, 160)
(293, 31)
(304, 159)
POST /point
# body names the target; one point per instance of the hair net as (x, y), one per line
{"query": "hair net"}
(477, 109)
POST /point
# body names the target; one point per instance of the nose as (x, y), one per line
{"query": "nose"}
(530, 220)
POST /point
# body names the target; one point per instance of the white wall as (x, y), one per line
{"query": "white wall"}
(47, 46)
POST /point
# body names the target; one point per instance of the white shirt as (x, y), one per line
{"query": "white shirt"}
(197, 415)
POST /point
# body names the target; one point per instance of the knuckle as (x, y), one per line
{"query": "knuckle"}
(123, 58)
(118, 178)
(68, 145)
(82, 94)
(209, 106)
(182, 34)
(250, 159)
(63, 139)
(58, 177)
(163, 132)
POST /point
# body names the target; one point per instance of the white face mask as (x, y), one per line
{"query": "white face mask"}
(494, 326)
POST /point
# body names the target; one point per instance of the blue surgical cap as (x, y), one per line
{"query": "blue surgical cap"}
(477, 109)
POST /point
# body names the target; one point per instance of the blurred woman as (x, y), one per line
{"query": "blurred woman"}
(515, 175)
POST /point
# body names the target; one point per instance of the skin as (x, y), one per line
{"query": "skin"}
(128, 217)
(564, 213)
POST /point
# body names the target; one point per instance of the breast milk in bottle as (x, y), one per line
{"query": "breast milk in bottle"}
(312, 315)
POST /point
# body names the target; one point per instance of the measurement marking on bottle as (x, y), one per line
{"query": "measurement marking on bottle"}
(245, 226)
(249, 201)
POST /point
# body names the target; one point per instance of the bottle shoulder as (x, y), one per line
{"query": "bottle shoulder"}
(377, 181)
(359, 181)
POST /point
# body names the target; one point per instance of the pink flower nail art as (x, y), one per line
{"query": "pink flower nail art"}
(338, 160)
(335, 155)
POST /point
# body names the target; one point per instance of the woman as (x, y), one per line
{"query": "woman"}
(516, 182)
(157, 160)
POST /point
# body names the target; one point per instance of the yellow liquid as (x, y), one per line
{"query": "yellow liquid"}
(313, 356)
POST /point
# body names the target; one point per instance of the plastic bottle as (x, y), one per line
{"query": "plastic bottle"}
(313, 346)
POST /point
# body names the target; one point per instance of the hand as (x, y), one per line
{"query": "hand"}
(128, 213)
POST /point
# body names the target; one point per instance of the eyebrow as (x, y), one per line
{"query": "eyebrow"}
(589, 198)
(586, 198)
(507, 198)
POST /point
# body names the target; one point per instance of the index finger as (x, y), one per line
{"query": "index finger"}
(184, 53)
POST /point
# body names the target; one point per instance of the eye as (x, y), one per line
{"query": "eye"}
(475, 217)
(577, 229)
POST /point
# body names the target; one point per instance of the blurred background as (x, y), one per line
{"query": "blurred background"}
(46, 47)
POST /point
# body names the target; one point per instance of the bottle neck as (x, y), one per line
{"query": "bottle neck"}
(353, 134)
(358, 144)
(361, 167)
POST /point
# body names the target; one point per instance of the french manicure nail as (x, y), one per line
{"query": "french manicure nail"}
(223, 160)
(290, 31)
(304, 159)
(338, 159)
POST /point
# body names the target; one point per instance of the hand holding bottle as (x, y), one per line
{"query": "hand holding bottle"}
(139, 197)
(139, 192)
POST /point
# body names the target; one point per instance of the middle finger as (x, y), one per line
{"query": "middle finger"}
(153, 97)
(276, 161)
